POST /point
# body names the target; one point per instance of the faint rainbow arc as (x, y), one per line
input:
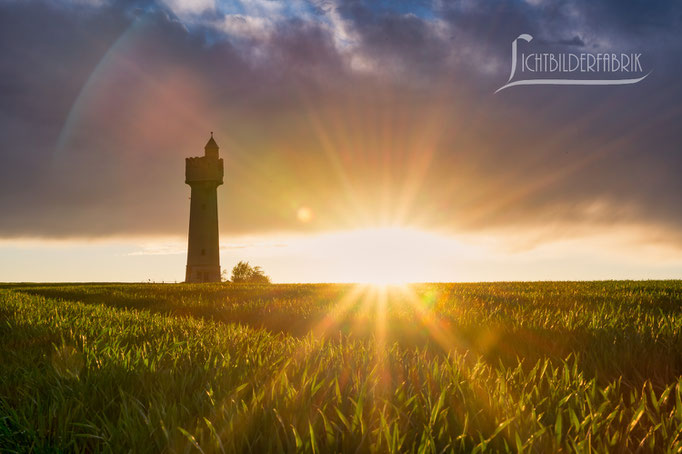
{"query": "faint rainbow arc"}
(77, 105)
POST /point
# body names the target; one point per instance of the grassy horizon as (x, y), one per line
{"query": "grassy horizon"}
(506, 366)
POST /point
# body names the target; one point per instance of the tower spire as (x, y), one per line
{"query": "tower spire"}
(211, 148)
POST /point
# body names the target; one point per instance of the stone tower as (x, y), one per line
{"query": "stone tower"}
(204, 174)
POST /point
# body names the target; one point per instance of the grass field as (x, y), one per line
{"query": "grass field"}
(521, 367)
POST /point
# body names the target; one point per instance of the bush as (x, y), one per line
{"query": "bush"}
(243, 272)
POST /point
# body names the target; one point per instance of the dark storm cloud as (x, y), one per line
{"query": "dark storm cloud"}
(367, 112)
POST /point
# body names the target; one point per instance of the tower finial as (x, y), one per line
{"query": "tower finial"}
(211, 148)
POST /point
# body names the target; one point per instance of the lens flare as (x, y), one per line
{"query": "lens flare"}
(304, 214)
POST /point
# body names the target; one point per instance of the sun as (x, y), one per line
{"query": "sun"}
(383, 280)
(379, 256)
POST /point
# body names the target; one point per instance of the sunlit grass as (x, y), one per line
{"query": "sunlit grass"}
(536, 367)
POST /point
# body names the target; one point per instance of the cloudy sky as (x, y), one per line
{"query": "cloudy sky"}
(357, 136)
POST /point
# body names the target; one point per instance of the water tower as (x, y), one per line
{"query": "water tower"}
(204, 174)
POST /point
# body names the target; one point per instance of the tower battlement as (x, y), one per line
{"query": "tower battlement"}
(204, 169)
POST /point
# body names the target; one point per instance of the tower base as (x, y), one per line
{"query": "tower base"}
(202, 273)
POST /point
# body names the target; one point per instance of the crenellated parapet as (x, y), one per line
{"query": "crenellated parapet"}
(204, 169)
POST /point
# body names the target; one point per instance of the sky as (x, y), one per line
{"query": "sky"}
(363, 140)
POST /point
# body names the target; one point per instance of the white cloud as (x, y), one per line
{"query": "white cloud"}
(184, 7)
(161, 248)
(246, 26)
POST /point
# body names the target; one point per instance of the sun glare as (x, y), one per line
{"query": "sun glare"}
(380, 256)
